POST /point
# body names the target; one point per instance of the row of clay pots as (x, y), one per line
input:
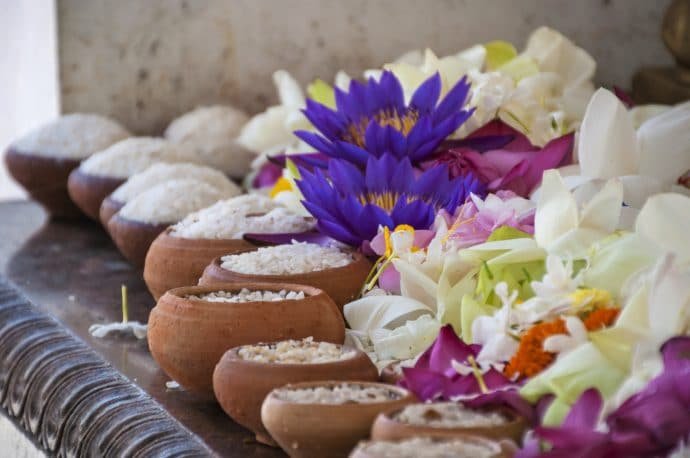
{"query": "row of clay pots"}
(58, 184)
(187, 337)
(308, 430)
(314, 430)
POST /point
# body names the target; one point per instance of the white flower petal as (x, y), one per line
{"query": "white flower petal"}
(665, 220)
(664, 143)
(556, 211)
(289, 91)
(377, 312)
(607, 144)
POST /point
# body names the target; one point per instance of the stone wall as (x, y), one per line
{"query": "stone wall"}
(145, 62)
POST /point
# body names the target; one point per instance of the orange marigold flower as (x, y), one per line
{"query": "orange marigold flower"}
(531, 358)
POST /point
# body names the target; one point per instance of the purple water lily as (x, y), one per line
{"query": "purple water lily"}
(516, 166)
(652, 422)
(350, 204)
(372, 119)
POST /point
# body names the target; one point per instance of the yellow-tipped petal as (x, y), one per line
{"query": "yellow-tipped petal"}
(498, 53)
(322, 92)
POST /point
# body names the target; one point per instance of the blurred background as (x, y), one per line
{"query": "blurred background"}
(146, 62)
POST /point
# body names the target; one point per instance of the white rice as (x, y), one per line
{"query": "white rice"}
(211, 132)
(245, 295)
(76, 136)
(134, 155)
(232, 218)
(294, 258)
(304, 351)
(344, 393)
(425, 447)
(171, 201)
(162, 172)
(448, 415)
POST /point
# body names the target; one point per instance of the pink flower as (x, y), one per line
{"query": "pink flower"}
(503, 159)
(477, 219)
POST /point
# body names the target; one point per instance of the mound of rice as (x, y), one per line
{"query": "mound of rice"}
(247, 214)
(305, 351)
(343, 393)
(74, 136)
(171, 201)
(294, 258)
(134, 155)
(160, 173)
(211, 132)
(425, 447)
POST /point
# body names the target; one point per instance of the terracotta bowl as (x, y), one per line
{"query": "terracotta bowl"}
(109, 207)
(133, 238)
(317, 430)
(45, 179)
(187, 337)
(172, 262)
(503, 449)
(88, 191)
(386, 427)
(242, 385)
(343, 284)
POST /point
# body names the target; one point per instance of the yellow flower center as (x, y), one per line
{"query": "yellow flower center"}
(402, 123)
(385, 200)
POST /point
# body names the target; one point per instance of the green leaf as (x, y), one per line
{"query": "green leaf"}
(507, 233)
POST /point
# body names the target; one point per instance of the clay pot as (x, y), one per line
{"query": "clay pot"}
(502, 449)
(317, 430)
(187, 337)
(133, 238)
(88, 191)
(343, 284)
(241, 385)
(109, 207)
(386, 427)
(172, 262)
(45, 179)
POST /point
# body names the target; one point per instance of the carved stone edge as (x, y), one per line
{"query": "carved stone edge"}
(72, 402)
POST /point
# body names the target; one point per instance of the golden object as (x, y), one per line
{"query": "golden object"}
(668, 85)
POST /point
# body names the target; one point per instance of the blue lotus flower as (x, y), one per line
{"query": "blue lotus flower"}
(350, 204)
(372, 119)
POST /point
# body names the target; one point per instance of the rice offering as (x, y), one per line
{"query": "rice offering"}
(232, 218)
(288, 259)
(424, 447)
(245, 295)
(304, 351)
(134, 155)
(344, 393)
(162, 172)
(171, 201)
(74, 136)
(448, 415)
(211, 132)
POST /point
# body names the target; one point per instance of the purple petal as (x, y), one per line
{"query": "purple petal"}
(585, 412)
(390, 280)
(424, 383)
(267, 176)
(425, 97)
